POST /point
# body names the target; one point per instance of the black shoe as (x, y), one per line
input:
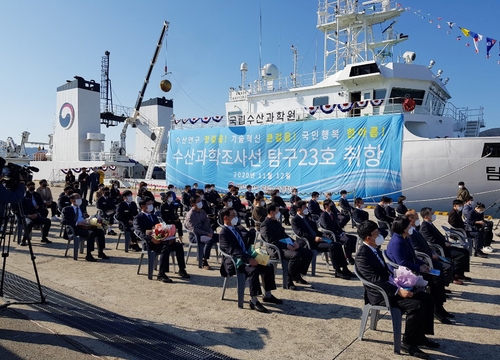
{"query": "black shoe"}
(350, 260)
(414, 351)
(446, 291)
(428, 343)
(258, 306)
(447, 314)
(46, 241)
(90, 258)
(272, 299)
(349, 273)
(463, 277)
(111, 232)
(183, 274)
(103, 256)
(164, 278)
(134, 247)
(442, 318)
(24, 243)
(340, 274)
(291, 286)
(480, 254)
(300, 280)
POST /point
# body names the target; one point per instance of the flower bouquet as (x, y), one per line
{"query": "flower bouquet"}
(404, 278)
(98, 222)
(163, 232)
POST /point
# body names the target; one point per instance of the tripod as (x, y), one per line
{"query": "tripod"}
(10, 212)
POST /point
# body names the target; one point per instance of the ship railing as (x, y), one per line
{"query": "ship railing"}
(464, 114)
(101, 156)
(329, 10)
(117, 109)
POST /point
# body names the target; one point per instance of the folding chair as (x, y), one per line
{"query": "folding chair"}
(240, 280)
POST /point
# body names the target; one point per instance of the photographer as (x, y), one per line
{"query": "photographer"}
(6, 194)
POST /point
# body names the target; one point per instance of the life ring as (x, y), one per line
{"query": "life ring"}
(409, 104)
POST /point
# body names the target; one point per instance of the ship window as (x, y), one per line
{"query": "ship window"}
(321, 100)
(379, 94)
(494, 148)
(365, 69)
(367, 96)
(398, 95)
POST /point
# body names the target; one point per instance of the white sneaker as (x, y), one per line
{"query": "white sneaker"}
(487, 249)
(55, 218)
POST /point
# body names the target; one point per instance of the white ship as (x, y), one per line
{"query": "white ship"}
(363, 91)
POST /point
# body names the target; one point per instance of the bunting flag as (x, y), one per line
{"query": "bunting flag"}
(345, 107)
(450, 24)
(477, 38)
(465, 31)
(459, 37)
(327, 109)
(361, 104)
(112, 167)
(489, 44)
(206, 119)
(312, 109)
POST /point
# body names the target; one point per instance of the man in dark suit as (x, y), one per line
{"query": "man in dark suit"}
(273, 232)
(330, 222)
(418, 306)
(455, 220)
(343, 220)
(308, 231)
(419, 244)
(144, 222)
(400, 251)
(358, 214)
(482, 227)
(36, 214)
(107, 205)
(313, 205)
(381, 213)
(231, 242)
(168, 212)
(93, 182)
(74, 216)
(345, 207)
(63, 199)
(460, 257)
(125, 213)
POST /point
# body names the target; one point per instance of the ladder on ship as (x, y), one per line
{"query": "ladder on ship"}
(159, 131)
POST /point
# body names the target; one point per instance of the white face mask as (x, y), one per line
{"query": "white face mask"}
(460, 208)
(170, 199)
(433, 217)
(229, 204)
(278, 194)
(130, 198)
(115, 186)
(306, 212)
(234, 221)
(379, 240)
(150, 208)
(78, 202)
(403, 202)
(199, 205)
(460, 186)
(417, 223)
(472, 203)
(262, 203)
(410, 230)
(361, 206)
(277, 215)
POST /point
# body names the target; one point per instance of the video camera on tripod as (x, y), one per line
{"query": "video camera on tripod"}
(11, 174)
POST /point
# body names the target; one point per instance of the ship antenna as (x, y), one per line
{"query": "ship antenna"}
(260, 40)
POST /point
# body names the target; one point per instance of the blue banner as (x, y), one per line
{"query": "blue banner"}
(361, 155)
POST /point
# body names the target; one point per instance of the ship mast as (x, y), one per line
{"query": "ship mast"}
(349, 37)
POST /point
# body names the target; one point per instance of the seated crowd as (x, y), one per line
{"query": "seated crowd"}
(415, 243)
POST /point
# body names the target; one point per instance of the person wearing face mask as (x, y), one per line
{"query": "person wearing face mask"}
(484, 228)
(400, 251)
(473, 232)
(83, 180)
(93, 183)
(345, 207)
(232, 243)
(418, 306)
(36, 214)
(307, 230)
(401, 209)
(463, 193)
(169, 214)
(125, 213)
(144, 222)
(313, 205)
(381, 213)
(330, 222)
(74, 216)
(259, 212)
(114, 192)
(143, 192)
(249, 235)
(459, 257)
(49, 202)
(277, 199)
(273, 232)
(200, 230)
(469, 206)
(108, 208)
(419, 244)
(294, 197)
(249, 196)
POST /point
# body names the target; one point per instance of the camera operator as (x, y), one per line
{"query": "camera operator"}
(7, 195)
(36, 214)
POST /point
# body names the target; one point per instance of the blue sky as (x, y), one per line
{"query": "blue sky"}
(46, 42)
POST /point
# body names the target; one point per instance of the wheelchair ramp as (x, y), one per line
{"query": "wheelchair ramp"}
(131, 336)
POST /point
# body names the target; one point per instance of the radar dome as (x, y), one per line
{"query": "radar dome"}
(269, 72)
(244, 67)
